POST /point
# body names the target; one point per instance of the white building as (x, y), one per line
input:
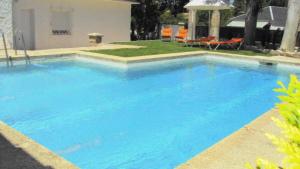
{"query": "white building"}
(64, 23)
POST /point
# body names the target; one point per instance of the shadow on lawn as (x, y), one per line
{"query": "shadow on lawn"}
(12, 157)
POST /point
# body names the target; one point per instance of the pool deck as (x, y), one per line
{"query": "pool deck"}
(61, 51)
(245, 145)
(20, 152)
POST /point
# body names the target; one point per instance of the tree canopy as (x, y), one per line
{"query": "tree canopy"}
(240, 5)
(149, 14)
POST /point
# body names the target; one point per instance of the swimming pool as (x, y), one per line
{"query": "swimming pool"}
(142, 116)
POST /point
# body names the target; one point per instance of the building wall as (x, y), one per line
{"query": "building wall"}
(6, 22)
(110, 18)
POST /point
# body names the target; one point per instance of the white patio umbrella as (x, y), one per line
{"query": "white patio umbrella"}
(208, 5)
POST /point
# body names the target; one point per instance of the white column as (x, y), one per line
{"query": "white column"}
(214, 29)
(292, 26)
(192, 23)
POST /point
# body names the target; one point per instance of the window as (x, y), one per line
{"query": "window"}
(61, 23)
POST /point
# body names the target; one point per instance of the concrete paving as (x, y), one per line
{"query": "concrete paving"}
(60, 51)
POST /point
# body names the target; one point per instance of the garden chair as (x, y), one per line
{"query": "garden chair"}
(182, 35)
(166, 34)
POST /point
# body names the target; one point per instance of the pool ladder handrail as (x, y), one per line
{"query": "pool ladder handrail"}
(27, 57)
(9, 61)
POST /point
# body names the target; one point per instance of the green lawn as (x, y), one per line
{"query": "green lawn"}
(154, 47)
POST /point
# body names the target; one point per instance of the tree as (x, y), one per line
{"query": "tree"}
(239, 7)
(146, 16)
(252, 10)
(291, 28)
(279, 2)
(168, 18)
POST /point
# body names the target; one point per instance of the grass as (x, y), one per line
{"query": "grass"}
(154, 47)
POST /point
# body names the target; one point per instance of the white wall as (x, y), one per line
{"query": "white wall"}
(111, 18)
(6, 22)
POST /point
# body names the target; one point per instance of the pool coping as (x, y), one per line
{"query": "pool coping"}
(47, 157)
(40, 153)
(244, 145)
(158, 57)
(148, 58)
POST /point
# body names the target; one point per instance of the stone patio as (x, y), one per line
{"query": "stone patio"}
(33, 53)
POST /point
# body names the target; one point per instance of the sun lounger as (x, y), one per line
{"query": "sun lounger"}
(200, 41)
(234, 43)
(166, 34)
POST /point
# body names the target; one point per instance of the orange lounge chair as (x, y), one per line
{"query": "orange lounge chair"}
(166, 34)
(182, 35)
(232, 43)
(201, 41)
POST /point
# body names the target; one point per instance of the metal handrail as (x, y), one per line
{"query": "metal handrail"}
(8, 57)
(25, 50)
(27, 57)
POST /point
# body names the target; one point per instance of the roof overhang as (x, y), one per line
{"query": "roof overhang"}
(260, 25)
(207, 5)
(241, 24)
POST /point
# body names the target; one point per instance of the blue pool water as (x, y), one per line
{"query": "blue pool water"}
(142, 117)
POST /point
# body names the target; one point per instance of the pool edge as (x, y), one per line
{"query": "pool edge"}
(35, 150)
(244, 145)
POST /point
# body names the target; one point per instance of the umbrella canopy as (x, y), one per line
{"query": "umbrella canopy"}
(208, 5)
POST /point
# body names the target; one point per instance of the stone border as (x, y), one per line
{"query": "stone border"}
(40, 153)
(147, 58)
(245, 145)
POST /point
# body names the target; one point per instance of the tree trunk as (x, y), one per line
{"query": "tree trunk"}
(253, 7)
(291, 28)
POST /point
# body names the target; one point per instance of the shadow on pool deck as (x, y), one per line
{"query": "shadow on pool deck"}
(12, 157)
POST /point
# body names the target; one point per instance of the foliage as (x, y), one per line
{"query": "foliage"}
(154, 47)
(226, 15)
(146, 16)
(203, 17)
(168, 18)
(289, 144)
(239, 7)
(278, 2)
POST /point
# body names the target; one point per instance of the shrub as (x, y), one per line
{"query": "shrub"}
(289, 143)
